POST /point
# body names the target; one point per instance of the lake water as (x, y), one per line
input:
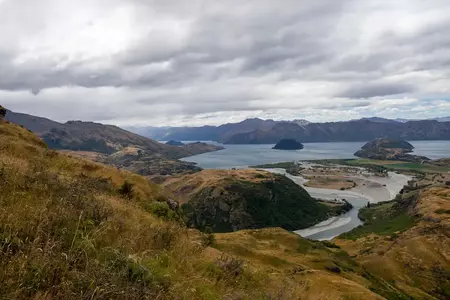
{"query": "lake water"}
(241, 156)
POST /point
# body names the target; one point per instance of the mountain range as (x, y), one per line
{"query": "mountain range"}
(89, 136)
(258, 131)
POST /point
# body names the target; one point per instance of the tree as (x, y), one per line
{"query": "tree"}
(2, 112)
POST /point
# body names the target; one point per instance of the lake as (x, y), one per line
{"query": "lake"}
(241, 156)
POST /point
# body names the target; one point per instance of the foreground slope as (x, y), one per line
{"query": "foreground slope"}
(407, 242)
(74, 229)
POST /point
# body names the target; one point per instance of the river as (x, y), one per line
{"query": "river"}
(376, 189)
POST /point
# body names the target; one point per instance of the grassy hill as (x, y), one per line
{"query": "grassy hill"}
(108, 139)
(113, 145)
(407, 241)
(230, 200)
(36, 124)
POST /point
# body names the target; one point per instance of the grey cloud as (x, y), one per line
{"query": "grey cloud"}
(375, 90)
(207, 57)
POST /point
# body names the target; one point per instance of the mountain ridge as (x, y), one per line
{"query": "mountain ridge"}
(269, 131)
(113, 145)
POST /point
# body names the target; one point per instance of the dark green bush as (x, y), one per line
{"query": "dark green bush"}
(2, 112)
(126, 190)
(162, 210)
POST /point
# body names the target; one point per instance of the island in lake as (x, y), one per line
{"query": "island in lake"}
(288, 144)
(389, 149)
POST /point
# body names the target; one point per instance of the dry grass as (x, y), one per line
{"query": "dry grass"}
(291, 260)
(188, 185)
(66, 233)
(91, 155)
(416, 260)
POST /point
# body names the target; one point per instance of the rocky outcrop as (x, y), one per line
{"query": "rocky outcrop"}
(389, 149)
(288, 144)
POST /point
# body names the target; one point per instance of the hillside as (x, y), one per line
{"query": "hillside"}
(113, 145)
(90, 136)
(73, 229)
(407, 241)
(230, 200)
(36, 124)
(96, 137)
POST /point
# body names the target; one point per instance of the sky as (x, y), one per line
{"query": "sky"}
(144, 62)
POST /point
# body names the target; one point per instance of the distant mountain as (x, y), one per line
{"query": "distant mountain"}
(359, 130)
(38, 125)
(257, 131)
(300, 122)
(107, 139)
(442, 119)
(379, 120)
(204, 133)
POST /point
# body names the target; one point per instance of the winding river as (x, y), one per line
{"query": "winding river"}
(374, 190)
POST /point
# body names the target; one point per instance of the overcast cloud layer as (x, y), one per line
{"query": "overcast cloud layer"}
(136, 62)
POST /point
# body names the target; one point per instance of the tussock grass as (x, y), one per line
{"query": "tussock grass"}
(74, 229)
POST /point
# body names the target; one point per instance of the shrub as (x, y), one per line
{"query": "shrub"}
(2, 112)
(231, 267)
(162, 210)
(329, 244)
(333, 268)
(126, 190)
(208, 240)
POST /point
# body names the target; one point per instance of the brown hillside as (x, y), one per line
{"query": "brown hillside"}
(416, 260)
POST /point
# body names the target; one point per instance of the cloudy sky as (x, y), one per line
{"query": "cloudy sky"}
(143, 62)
